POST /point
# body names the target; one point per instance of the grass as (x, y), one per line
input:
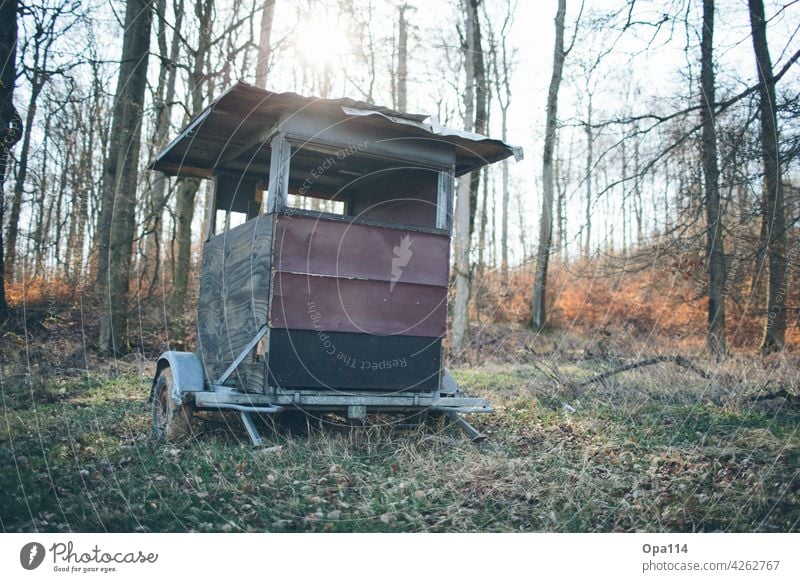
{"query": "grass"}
(656, 449)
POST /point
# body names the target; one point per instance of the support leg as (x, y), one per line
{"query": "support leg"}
(252, 431)
(473, 433)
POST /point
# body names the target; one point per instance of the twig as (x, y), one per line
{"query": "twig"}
(681, 361)
(781, 393)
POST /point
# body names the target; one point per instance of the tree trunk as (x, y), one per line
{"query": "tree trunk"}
(483, 225)
(120, 190)
(22, 176)
(624, 185)
(262, 66)
(462, 219)
(559, 202)
(402, 60)
(587, 246)
(504, 216)
(481, 103)
(184, 214)
(10, 122)
(538, 308)
(638, 205)
(773, 202)
(165, 96)
(715, 254)
(188, 188)
(502, 79)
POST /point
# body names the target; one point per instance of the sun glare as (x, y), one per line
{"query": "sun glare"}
(322, 40)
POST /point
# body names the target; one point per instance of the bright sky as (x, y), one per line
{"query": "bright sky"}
(323, 39)
(657, 74)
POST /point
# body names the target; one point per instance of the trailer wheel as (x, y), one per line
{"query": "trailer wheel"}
(171, 422)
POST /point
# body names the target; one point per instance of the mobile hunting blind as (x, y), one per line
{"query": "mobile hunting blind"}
(325, 260)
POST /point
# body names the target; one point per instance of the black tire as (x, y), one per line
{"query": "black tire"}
(171, 423)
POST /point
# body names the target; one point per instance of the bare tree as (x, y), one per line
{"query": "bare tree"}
(164, 101)
(715, 254)
(538, 313)
(402, 58)
(481, 103)
(462, 221)
(587, 245)
(48, 25)
(502, 65)
(264, 48)
(121, 173)
(199, 89)
(774, 224)
(10, 122)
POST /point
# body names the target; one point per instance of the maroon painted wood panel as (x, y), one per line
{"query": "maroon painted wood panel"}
(345, 250)
(403, 196)
(323, 303)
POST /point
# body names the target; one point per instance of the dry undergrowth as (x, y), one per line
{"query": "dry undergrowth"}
(657, 448)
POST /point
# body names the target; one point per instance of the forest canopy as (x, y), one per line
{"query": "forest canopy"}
(668, 190)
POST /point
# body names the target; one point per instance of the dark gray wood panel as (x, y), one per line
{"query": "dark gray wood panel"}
(353, 361)
(340, 249)
(234, 290)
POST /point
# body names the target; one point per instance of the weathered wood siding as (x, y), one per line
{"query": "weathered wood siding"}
(337, 276)
(346, 250)
(305, 301)
(401, 196)
(354, 361)
(356, 306)
(234, 292)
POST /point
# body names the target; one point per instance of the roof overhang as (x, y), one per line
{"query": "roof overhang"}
(230, 134)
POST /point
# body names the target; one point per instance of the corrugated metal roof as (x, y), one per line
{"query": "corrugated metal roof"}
(230, 133)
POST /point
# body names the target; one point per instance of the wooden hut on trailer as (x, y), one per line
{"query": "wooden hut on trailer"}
(325, 261)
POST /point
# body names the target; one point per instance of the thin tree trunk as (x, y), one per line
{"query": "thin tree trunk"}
(773, 202)
(506, 195)
(715, 254)
(502, 82)
(402, 59)
(165, 96)
(587, 246)
(22, 176)
(638, 205)
(538, 302)
(523, 239)
(482, 229)
(624, 186)
(262, 66)
(481, 104)
(184, 214)
(461, 226)
(188, 188)
(559, 194)
(10, 122)
(120, 197)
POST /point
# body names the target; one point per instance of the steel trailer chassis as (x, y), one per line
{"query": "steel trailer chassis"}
(354, 406)
(190, 386)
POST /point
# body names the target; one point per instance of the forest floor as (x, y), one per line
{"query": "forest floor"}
(660, 448)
